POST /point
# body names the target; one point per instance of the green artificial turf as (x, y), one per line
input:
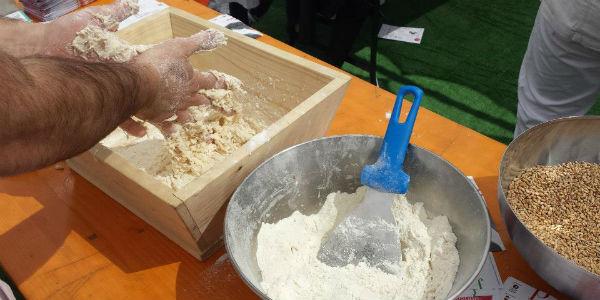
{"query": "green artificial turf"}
(468, 62)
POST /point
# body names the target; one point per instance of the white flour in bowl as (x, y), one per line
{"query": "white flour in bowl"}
(287, 256)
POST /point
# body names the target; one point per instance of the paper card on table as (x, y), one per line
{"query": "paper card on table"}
(515, 289)
(486, 284)
(147, 7)
(19, 15)
(47, 10)
(487, 297)
(402, 34)
(236, 25)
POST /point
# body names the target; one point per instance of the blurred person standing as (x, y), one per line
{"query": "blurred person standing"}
(560, 73)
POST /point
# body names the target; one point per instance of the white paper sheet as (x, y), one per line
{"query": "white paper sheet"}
(236, 25)
(487, 285)
(19, 15)
(147, 7)
(402, 34)
(515, 289)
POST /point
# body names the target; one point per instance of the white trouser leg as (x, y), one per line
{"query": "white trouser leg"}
(5, 292)
(558, 77)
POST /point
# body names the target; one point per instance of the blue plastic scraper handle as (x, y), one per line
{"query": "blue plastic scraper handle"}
(387, 174)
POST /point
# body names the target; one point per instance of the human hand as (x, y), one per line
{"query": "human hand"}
(57, 35)
(174, 80)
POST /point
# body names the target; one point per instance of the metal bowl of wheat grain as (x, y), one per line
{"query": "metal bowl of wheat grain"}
(549, 193)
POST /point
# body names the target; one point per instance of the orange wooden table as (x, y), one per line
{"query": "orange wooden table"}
(61, 237)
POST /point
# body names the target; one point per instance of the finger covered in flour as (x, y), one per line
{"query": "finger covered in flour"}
(207, 40)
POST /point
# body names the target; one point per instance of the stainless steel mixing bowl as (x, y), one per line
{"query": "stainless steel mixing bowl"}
(301, 177)
(550, 143)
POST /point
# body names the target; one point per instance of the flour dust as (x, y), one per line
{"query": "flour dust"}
(287, 256)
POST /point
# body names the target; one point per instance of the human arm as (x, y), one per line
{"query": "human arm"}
(16, 37)
(21, 39)
(54, 108)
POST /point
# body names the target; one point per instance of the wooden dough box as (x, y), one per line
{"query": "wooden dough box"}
(193, 216)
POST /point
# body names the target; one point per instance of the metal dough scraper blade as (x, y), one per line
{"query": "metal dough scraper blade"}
(369, 232)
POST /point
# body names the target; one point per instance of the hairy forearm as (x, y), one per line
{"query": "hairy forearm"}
(52, 109)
